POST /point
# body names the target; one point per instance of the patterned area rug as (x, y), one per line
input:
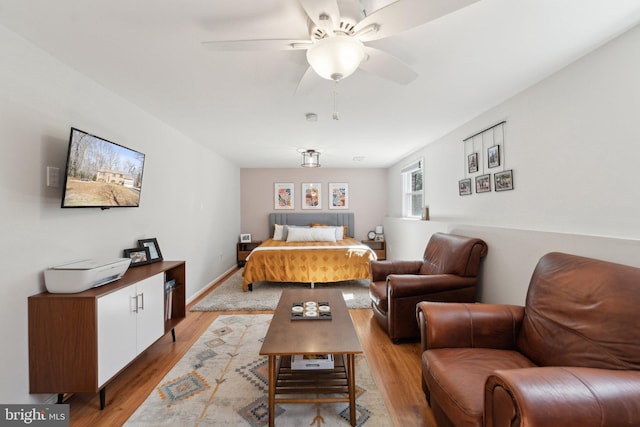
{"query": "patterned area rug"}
(265, 295)
(222, 380)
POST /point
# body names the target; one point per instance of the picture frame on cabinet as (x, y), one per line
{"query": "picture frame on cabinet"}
(245, 238)
(338, 195)
(154, 248)
(311, 195)
(283, 195)
(138, 256)
(464, 187)
(493, 156)
(483, 183)
(503, 181)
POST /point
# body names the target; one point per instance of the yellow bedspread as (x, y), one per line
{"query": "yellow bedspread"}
(307, 262)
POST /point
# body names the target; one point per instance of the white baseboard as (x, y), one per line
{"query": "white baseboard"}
(209, 285)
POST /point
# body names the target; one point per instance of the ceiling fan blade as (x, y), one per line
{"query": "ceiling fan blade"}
(257, 45)
(405, 14)
(317, 10)
(307, 82)
(387, 66)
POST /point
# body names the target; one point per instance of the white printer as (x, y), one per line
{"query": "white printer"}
(79, 276)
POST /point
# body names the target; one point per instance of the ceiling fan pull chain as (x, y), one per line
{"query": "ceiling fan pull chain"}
(335, 103)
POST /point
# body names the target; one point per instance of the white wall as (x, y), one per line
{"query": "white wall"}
(367, 195)
(573, 143)
(513, 253)
(182, 205)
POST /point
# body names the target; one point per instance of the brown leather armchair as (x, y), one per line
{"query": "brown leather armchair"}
(569, 357)
(447, 272)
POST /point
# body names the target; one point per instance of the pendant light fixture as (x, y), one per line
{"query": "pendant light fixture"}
(310, 159)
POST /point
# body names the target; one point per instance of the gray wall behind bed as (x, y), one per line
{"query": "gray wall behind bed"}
(328, 218)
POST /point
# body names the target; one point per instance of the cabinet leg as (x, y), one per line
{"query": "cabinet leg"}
(173, 334)
(60, 397)
(103, 396)
(251, 287)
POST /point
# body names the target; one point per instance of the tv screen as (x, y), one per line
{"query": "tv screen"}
(101, 174)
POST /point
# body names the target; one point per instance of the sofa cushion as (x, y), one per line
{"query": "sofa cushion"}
(456, 376)
(580, 312)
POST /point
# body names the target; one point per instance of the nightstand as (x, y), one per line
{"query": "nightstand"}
(380, 248)
(244, 249)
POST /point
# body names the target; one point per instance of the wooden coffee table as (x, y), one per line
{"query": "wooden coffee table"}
(287, 337)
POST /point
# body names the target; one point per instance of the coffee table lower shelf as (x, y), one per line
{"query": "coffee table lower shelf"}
(327, 385)
(311, 381)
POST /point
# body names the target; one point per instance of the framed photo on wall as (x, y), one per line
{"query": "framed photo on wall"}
(283, 195)
(464, 187)
(503, 181)
(493, 156)
(483, 183)
(472, 162)
(338, 195)
(311, 196)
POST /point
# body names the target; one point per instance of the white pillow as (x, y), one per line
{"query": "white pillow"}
(338, 230)
(278, 232)
(339, 233)
(313, 234)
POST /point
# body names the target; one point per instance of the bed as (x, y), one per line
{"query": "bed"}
(311, 261)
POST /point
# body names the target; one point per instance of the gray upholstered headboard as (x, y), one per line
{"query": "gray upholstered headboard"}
(328, 218)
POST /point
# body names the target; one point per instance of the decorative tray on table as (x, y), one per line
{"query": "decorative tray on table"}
(311, 310)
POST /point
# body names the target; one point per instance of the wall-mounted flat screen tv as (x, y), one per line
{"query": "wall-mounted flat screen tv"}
(101, 173)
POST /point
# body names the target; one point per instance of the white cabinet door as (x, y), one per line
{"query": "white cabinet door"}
(150, 294)
(116, 332)
(129, 321)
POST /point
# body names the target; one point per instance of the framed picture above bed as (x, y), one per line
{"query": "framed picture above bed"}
(338, 195)
(311, 196)
(283, 196)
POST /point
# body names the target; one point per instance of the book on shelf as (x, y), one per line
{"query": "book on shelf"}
(169, 286)
(312, 361)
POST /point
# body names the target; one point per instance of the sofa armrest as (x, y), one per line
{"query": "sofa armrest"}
(409, 285)
(562, 396)
(381, 269)
(458, 325)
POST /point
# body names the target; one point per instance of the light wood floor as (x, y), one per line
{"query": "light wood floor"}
(396, 370)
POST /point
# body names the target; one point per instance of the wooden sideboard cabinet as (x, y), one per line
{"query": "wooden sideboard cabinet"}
(380, 248)
(78, 342)
(244, 249)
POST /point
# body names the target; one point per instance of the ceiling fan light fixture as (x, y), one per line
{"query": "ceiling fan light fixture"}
(336, 57)
(310, 159)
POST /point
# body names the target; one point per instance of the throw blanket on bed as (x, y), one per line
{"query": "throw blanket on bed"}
(307, 262)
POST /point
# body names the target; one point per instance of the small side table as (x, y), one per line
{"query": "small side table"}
(380, 248)
(244, 249)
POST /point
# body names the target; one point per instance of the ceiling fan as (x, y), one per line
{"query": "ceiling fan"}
(339, 29)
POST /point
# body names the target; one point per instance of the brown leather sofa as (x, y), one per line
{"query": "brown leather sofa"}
(569, 357)
(447, 272)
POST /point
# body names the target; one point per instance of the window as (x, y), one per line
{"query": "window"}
(412, 190)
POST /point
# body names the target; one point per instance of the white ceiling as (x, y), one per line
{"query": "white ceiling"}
(242, 104)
